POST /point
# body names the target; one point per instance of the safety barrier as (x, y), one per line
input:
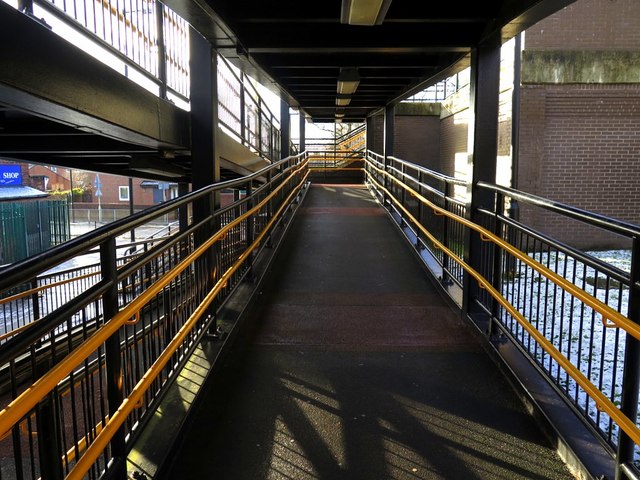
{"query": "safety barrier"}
(87, 387)
(142, 39)
(572, 313)
(244, 114)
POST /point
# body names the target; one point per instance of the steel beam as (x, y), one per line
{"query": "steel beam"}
(46, 76)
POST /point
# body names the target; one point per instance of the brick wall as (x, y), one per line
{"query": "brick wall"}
(142, 197)
(579, 145)
(453, 141)
(378, 134)
(417, 139)
(588, 25)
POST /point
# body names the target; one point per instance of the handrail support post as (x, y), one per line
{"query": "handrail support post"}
(631, 374)
(113, 358)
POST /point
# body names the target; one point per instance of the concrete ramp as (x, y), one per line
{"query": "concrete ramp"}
(359, 370)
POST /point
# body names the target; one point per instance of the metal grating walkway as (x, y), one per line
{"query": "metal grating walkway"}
(359, 370)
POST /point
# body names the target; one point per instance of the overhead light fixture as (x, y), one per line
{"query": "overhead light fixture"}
(342, 100)
(348, 80)
(339, 115)
(364, 12)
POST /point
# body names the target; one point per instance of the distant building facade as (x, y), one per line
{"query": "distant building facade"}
(578, 124)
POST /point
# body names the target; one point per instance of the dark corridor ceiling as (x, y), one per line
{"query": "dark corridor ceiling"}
(48, 112)
(299, 46)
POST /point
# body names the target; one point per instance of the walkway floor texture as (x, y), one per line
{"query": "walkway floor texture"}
(359, 370)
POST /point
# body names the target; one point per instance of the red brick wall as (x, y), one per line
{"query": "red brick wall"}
(417, 139)
(453, 140)
(58, 180)
(378, 134)
(142, 197)
(580, 146)
(588, 25)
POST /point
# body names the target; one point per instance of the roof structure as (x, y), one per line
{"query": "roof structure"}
(300, 48)
(88, 116)
(22, 192)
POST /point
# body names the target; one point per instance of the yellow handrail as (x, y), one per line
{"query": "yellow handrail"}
(27, 400)
(602, 308)
(31, 291)
(129, 404)
(602, 402)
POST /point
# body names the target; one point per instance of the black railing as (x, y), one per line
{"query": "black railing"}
(573, 313)
(243, 112)
(142, 39)
(443, 191)
(590, 341)
(108, 337)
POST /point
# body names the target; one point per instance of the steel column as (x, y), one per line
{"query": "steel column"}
(113, 359)
(303, 133)
(389, 130)
(285, 130)
(482, 156)
(183, 214)
(131, 208)
(162, 50)
(389, 133)
(370, 133)
(204, 118)
(48, 425)
(205, 161)
(631, 374)
(515, 110)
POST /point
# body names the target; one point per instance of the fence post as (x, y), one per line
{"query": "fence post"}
(496, 267)
(162, 52)
(631, 374)
(445, 280)
(243, 113)
(48, 422)
(113, 359)
(420, 208)
(389, 133)
(250, 226)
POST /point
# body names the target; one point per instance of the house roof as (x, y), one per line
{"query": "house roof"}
(20, 193)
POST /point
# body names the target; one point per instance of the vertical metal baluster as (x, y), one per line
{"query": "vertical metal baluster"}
(112, 351)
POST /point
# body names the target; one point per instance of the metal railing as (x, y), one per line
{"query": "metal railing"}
(149, 43)
(353, 140)
(339, 157)
(86, 386)
(245, 114)
(439, 189)
(442, 90)
(143, 39)
(25, 304)
(573, 314)
(335, 160)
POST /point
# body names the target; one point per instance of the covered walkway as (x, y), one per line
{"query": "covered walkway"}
(358, 369)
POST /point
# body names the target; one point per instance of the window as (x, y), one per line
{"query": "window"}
(123, 193)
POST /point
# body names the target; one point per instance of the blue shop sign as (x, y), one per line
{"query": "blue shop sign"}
(10, 175)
